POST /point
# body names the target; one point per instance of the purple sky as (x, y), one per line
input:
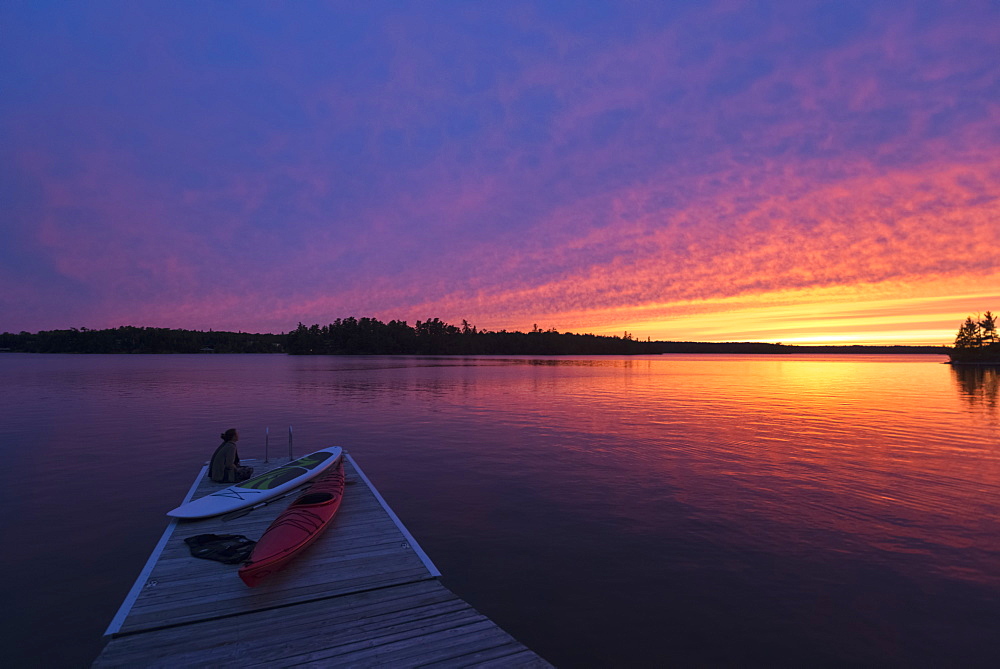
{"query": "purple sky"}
(779, 171)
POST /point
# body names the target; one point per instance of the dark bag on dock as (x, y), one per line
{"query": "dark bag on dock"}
(227, 548)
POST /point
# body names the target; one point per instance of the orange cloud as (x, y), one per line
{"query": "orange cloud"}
(924, 234)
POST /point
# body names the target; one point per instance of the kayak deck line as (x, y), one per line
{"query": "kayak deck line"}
(364, 593)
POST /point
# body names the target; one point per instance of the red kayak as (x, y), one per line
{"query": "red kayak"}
(297, 527)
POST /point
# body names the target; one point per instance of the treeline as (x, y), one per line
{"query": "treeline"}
(979, 331)
(977, 341)
(128, 339)
(369, 336)
(434, 337)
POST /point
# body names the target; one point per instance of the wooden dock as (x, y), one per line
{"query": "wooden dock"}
(363, 595)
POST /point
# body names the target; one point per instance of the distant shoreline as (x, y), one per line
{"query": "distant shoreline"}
(372, 337)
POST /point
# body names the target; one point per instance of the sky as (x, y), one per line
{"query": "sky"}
(796, 172)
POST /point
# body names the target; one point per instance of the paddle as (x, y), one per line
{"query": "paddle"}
(239, 513)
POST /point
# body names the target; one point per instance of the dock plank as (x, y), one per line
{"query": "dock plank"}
(182, 589)
(364, 594)
(364, 629)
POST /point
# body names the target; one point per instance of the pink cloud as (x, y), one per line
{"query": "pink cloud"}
(569, 175)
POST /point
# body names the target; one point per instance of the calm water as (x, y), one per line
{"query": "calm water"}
(678, 510)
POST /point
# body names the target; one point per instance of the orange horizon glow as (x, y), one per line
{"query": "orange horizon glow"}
(841, 316)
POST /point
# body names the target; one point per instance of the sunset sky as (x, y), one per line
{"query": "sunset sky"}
(797, 172)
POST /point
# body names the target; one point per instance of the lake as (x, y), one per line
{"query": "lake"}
(607, 512)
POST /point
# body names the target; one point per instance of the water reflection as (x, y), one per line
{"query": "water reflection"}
(979, 385)
(608, 512)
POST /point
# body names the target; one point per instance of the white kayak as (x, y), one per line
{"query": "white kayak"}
(260, 488)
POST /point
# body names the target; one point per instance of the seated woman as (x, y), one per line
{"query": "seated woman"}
(225, 465)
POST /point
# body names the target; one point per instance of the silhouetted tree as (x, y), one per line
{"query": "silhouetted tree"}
(970, 334)
(988, 328)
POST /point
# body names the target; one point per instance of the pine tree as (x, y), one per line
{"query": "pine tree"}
(969, 335)
(988, 328)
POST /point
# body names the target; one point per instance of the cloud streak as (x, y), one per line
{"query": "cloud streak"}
(581, 168)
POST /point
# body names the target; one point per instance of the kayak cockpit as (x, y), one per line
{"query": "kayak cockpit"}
(314, 498)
